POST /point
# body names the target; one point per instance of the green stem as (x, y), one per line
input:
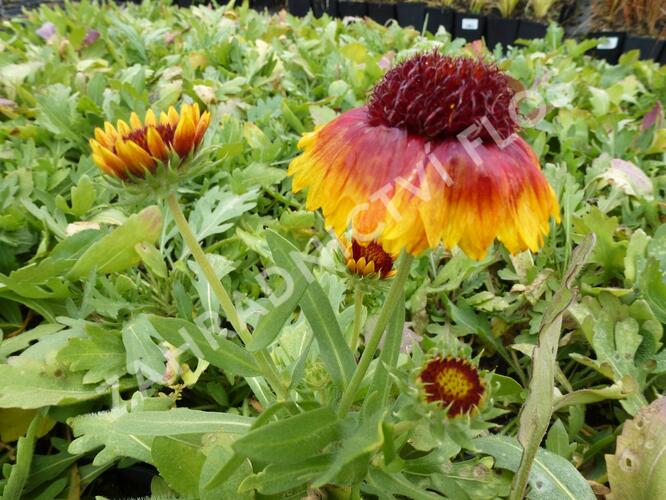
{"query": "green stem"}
(376, 335)
(262, 358)
(358, 313)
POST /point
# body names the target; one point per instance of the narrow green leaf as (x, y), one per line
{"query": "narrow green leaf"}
(335, 354)
(291, 440)
(278, 478)
(123, 434)
(215, 349)
(24, 453)
(356, 449)
(537, 410)
(551, 478)
(272, 322)
(388, 358)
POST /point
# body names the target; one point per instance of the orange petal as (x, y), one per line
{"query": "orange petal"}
(103, 139)
(110, 131)
(202, 126)
(164, 118)
(183, 138)
(134, 157)
(99, 161)
(150, 120)
(135, 121)
(173, 116)
(156, 145)
(113, 162)
(123, 128)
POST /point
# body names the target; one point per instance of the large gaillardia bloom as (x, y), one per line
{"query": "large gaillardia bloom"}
(136, 150)
(433, 157)
(454, 383)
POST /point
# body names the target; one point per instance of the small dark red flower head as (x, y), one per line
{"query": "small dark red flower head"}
(439, 96)
(454, 383)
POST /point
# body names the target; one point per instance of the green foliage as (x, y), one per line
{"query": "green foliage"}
(112, 347)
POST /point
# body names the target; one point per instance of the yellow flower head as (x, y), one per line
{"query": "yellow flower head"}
(135, 150)
(432, 158)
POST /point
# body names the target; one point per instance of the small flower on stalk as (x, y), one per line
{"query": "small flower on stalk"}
(454, 383)
(369, 260)
(432, 158)
(134, 151)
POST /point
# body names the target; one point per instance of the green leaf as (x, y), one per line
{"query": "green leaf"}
(215, 349)
(31, 384)
(152, 258)
(219, 453)
(357, 449)
(386, 485)
(179, 460)
(292, 439)
(57, 113)
(619, 390)
(653, 286)
(142, 355)
(101, 354)
(637, 469)
(278, 478)
(335, 353)
(557, 440)
(115, 252)
(551, 478)
(271, 323)
(25, 450)
(123, 434)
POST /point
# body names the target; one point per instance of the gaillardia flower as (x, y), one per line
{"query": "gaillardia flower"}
(135, 150)
(454, 383)
(433, 157)
(368, 259)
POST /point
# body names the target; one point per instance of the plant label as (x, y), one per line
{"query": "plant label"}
(608, 43)
(468, 23)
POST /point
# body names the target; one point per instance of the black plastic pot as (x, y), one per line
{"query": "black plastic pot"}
(662, 57)
(381, 13)
(261, 5)
(321, 7)
(611, 48)
(530, 30)
(439, 17)
(353, 9)
(411, 14)
(298, 8)
(469, 26)
(649, 48)
(501, 30)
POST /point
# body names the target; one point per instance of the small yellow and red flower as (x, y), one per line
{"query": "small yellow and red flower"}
(368, 260)
(454, 383)
(135, 150)
(432, 158)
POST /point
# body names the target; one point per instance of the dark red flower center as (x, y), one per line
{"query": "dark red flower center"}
(439, 96)
(454, 382)
(373, 252)
(140, 136)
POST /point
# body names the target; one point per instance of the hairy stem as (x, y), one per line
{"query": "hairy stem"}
(376, 335)
(262, 358)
